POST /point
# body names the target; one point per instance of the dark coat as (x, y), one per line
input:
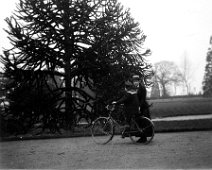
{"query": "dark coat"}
(144, 106)
(130, 102)
(141, 93)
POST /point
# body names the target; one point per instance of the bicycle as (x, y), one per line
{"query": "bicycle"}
(103, 128)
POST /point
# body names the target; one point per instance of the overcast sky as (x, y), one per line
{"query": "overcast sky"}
(174, 29)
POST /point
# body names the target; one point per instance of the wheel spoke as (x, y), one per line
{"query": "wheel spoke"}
(102, 130)
(146, 129)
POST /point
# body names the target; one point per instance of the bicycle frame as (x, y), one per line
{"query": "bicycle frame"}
(111, 117)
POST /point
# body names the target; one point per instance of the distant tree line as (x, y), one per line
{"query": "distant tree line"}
(167, 74)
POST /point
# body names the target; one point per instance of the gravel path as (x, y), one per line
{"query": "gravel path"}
(168, 150)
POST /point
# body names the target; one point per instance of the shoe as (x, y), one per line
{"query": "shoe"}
(142, 140)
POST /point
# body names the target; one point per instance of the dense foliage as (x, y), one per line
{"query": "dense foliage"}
(87, 44)
(207, 82)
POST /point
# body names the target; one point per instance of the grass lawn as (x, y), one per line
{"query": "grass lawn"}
(180, 106)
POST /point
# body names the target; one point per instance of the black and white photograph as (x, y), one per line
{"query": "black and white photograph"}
(106, 84)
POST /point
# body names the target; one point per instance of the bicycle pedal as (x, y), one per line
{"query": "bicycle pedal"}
(123, 135)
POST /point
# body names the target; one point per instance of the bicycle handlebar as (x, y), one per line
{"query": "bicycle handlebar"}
(110, 107)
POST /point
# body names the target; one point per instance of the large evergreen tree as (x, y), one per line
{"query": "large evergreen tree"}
(207, 82)
(94, 43)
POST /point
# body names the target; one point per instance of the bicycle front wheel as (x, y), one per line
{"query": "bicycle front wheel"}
(102, 130)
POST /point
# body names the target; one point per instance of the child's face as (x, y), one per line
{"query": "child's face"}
(136, 83)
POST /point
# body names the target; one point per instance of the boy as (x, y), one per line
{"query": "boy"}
(131, 103)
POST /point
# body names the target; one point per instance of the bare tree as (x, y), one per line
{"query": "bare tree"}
(155, 90)
(166, 74)
(186, 73)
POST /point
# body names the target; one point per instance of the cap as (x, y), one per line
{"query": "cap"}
(136, 77)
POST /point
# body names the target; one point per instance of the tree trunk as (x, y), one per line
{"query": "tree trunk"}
(68, 95)
(164, 92)
(187, 88)
(68, 56)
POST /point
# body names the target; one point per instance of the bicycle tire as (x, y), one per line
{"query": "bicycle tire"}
(149, 130)
(102, 130)
(146, 127)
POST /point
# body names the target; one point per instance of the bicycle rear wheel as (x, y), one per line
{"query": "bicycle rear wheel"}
(102, 130)
(135, 132)
(146, 128)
